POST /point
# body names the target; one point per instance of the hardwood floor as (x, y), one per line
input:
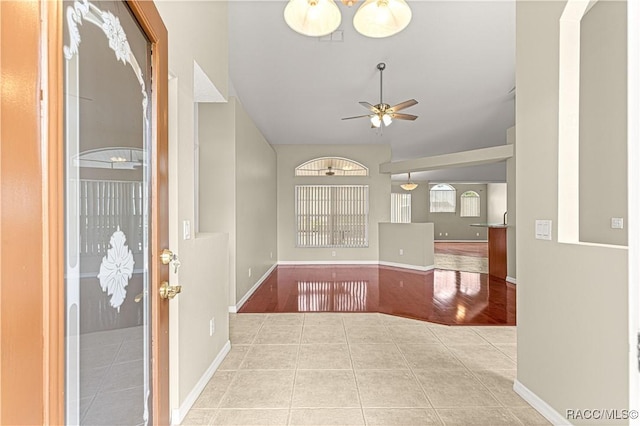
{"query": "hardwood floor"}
(462, 249)
(445, 297)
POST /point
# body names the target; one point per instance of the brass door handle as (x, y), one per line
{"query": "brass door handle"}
(169, 291)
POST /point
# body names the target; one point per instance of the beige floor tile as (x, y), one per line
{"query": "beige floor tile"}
(458, 336)
(324, 357)
(361, 319)
(323, 334)
(271, 357)
(401, 416)
(529, 417)
(199, 417)
(396, 320)
(368, 334)
(279, 335)
(326, 416)
(477, 416)
(482, 357)
(323, 318)
(235, 357)
(285, 319)
(379, 356)
(242, 335)
(500, 383)
(244, 417)
(214, 391)
(260, 389)
(435, 356)
(325, 388)
(509, 349)
(389, 388)
(454, 388)
(412, 334)
(497, 335)
(246, 320)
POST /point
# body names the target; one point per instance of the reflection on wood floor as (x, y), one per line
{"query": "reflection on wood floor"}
(446, 297)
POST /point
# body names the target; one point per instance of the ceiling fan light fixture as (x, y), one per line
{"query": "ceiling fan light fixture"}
(313, 18)
(386, 119)
(375, 120)
(382, 18)
(409, 186)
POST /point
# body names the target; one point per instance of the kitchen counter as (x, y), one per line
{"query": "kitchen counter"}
(497, 248)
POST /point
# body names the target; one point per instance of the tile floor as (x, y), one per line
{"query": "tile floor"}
(363, 369)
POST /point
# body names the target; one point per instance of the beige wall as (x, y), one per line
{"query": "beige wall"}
(572, 299)
(415, 240)
(496, 202)
(603, 130)
(511, 207)
(203, 273)
(455, 226)
(238, 191)
(256, 204)
(291, 156)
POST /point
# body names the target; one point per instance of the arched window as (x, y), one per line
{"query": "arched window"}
(470, 204)
(442, 199)
(331, 166)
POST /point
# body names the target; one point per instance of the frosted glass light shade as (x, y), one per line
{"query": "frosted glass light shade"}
(386, 119)
(313, 18)
(410, 186)
(375, 120)
(382, 18)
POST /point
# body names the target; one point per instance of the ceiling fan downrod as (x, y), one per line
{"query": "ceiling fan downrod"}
(381, 67)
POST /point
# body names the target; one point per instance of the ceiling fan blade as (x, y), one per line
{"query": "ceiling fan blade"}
(370, 107)
(403, 105)
(403, 116)
(357, 116)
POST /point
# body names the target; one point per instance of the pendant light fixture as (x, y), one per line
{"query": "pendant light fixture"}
(409, 186)
(382, 18)
(313, 18)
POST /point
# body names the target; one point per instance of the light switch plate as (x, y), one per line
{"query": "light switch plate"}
(543, 229)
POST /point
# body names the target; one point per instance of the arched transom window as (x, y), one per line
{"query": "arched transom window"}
(470, 204)
(331, 166)
(442, 199)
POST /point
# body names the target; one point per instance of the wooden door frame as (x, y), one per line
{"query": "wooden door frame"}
(53, 232)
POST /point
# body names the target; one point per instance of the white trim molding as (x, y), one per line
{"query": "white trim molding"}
(540, 405)
(406, 266)
(460, 241)
(238, 305)
(327, 262)
(178, 414)
(511, 280)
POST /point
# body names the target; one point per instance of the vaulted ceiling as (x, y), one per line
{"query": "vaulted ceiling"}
(456, 58)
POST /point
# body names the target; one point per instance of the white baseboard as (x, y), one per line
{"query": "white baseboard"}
(540, 405)
(178, 414)
(511, 280)
(327, 262)
(406, 266)
(460, 241)
(236, 308)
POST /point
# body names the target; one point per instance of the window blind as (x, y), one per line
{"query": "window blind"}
(332, 215)
(400, 208)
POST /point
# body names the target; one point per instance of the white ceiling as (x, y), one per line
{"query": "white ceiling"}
(457, 59)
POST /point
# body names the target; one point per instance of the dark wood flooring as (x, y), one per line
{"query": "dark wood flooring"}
(446, 297)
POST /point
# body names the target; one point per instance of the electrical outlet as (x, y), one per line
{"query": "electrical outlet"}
(617, 223)
(477, 234)
(440, 234)
(271, 255)
(333, 253)
(212, 326)
(249, 272)
(446, 234)
(401, 252)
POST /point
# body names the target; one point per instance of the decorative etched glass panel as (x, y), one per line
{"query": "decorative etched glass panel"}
(107, 195)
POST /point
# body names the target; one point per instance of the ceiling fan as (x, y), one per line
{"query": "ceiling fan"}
(383, 114)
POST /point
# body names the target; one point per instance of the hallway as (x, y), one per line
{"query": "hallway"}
(362, 368)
